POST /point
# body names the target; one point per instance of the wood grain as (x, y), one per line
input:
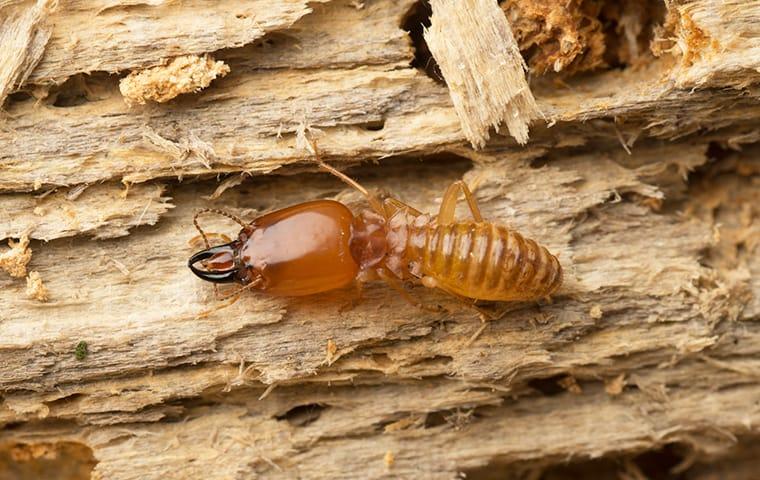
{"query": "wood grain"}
(644, 180)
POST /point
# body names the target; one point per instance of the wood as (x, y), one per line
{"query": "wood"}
(479, 59)
(644, 181)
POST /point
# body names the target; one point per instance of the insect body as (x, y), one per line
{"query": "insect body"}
(318, 246)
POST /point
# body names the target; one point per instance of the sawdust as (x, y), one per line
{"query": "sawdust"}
(185, 74)
(35, 289)
(582, 35)
(389, 459)
(570, 384)
(615, 386)
(15, 260)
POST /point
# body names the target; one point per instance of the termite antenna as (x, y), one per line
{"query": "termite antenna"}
(200, 212)
(374, 202)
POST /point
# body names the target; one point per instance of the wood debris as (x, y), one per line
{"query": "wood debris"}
(478, 56)
(570, 384)
(185, 74)
(23, 36)
(615, 385)
(15, 260)
(35, 289)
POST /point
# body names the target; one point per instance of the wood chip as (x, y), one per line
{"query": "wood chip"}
(185, 74)
(15, 260)
(35, 288)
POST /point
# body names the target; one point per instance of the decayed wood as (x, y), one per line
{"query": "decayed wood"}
(23, 35)
(417, 115)
(103, 211)
(104, 35)
(653, 339)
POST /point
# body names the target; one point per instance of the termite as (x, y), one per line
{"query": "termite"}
(321, 245)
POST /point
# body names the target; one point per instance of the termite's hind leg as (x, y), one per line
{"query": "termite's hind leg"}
(484, 314)
(450, 200)
(374, 202)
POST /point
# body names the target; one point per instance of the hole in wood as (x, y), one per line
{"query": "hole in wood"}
(58, 460)
(548, 386)
(414, 22)
(373, 126)
(656, 464)
(302, 415)
(583, 36)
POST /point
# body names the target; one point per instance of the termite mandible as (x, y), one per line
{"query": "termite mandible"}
(321, 245)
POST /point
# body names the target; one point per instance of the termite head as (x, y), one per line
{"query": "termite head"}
(220, 264)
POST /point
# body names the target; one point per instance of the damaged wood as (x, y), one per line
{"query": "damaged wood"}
(90, 36)
(102, 211)
(24, 33)
(116, 362)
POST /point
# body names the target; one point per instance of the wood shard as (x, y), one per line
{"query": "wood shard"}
(23, 36)
(185, 74)
(473, 44)
(35, 289)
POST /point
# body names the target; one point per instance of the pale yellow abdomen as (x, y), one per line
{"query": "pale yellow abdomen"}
(484, 261)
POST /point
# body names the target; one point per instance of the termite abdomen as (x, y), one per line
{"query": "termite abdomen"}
(484, 261)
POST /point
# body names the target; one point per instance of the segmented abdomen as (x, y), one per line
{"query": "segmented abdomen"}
(484, 261)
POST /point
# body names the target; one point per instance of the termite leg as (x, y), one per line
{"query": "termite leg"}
(392, 205)
(356, 298)
(395, 284)
(235, 296)
(484, 314)
(374, 202)
(449, 203)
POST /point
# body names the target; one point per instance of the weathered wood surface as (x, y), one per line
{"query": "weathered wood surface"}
(653, 342)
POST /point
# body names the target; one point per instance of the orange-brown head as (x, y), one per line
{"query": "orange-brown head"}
(295, 251)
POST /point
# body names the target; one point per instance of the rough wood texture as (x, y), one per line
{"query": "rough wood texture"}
(645, 181)
(23, 35)
(112, 36)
